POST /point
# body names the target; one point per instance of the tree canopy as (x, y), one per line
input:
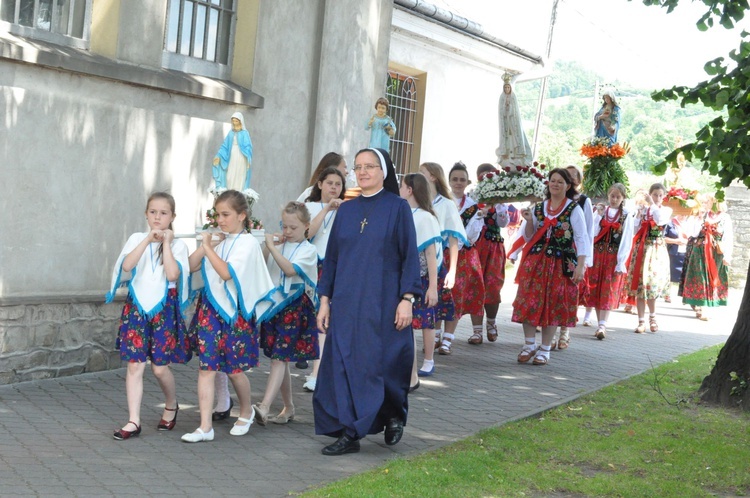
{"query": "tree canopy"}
(723, 145)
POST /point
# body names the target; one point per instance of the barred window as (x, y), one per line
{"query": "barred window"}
(401, 92)
(57, 21)
(199, 36)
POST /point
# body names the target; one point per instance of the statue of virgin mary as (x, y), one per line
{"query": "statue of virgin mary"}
(514, 149)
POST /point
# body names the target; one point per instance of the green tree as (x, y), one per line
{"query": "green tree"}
(723, 148)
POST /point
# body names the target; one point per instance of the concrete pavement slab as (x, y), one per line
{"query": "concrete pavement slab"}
(56, 434)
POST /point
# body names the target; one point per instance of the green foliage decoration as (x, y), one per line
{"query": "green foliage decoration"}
(722, 146)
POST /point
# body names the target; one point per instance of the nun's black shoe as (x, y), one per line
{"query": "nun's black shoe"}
(343, 445)
(223, 415)
(394, 429)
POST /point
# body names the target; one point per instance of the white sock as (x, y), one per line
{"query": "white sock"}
(603, 323)
(221, 388)
(531, 343)
(477, 329)
(490, 321)
(587, 316)
(437, 336)
(427, 365)
(448, 338)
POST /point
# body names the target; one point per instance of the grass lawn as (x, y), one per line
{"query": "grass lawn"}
(625, 440)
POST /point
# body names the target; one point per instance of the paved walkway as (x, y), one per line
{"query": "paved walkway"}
(55, 435)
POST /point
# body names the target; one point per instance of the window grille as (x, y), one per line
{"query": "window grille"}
(57, 21)
(401, 92)
(200, 29)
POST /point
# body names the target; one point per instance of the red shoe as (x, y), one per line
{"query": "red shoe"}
(122, 434)
(168, 426)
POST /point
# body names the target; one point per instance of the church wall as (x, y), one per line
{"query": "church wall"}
(80, 155)
(738, 207)
(463, 85)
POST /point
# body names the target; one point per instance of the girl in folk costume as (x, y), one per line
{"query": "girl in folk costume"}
(552, 266)
(289, 331)
(562, 340)
(416, 191)
(468, 291)
(324, 200)
(491, 249)
(152, 327)
(233, 280)
(453, 233)
(613, 239)
(648, 272)
(705, 274)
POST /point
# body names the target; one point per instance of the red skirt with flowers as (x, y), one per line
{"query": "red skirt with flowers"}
(423, 316)
(468, 291)
(445, 309)
(547, 298)
(292, 333)
(222, 347)
(604, 285)
(163, 339)
(696, 287)
(492, 261)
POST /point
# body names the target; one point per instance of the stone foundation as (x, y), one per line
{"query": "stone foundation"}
(738, 207)
(40, 341)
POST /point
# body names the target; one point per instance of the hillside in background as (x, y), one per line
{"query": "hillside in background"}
(651, 128)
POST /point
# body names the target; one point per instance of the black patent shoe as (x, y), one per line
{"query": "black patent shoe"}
(394, 429)
(223, 415)
(343, 445)
(122, 434)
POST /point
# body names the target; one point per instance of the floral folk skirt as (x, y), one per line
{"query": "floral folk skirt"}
(423, 316)
(492, 261)
(696, 287)
(604, 286)
(292, 333)
(162, 339)
(445, 309)
(222, 347)
(653, 280)
(547, 298)
(468, 291)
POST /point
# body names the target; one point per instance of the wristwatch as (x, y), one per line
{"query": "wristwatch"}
(410, 299)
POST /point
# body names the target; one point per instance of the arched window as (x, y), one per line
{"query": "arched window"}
(401, 92)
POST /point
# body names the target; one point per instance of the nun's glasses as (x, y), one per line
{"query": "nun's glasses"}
(366, 167)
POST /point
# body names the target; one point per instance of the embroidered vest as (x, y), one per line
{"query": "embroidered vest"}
(655, 234)
(611, 241)
(558, 242)
(491, 229)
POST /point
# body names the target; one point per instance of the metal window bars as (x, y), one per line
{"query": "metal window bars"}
(401, 92)
(200, 29)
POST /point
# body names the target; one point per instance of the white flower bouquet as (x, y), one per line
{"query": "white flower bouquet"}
(527, 183)
(252, 197)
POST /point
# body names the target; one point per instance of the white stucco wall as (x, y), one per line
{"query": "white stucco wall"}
(80, 154)
(463, 86)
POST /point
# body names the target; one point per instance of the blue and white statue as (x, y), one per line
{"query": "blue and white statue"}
(607, 120)
(381, 126)
(231, 166)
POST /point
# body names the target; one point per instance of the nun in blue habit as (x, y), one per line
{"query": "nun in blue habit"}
(367, 289)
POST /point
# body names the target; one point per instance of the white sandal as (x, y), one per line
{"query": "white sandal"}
(601, 332)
